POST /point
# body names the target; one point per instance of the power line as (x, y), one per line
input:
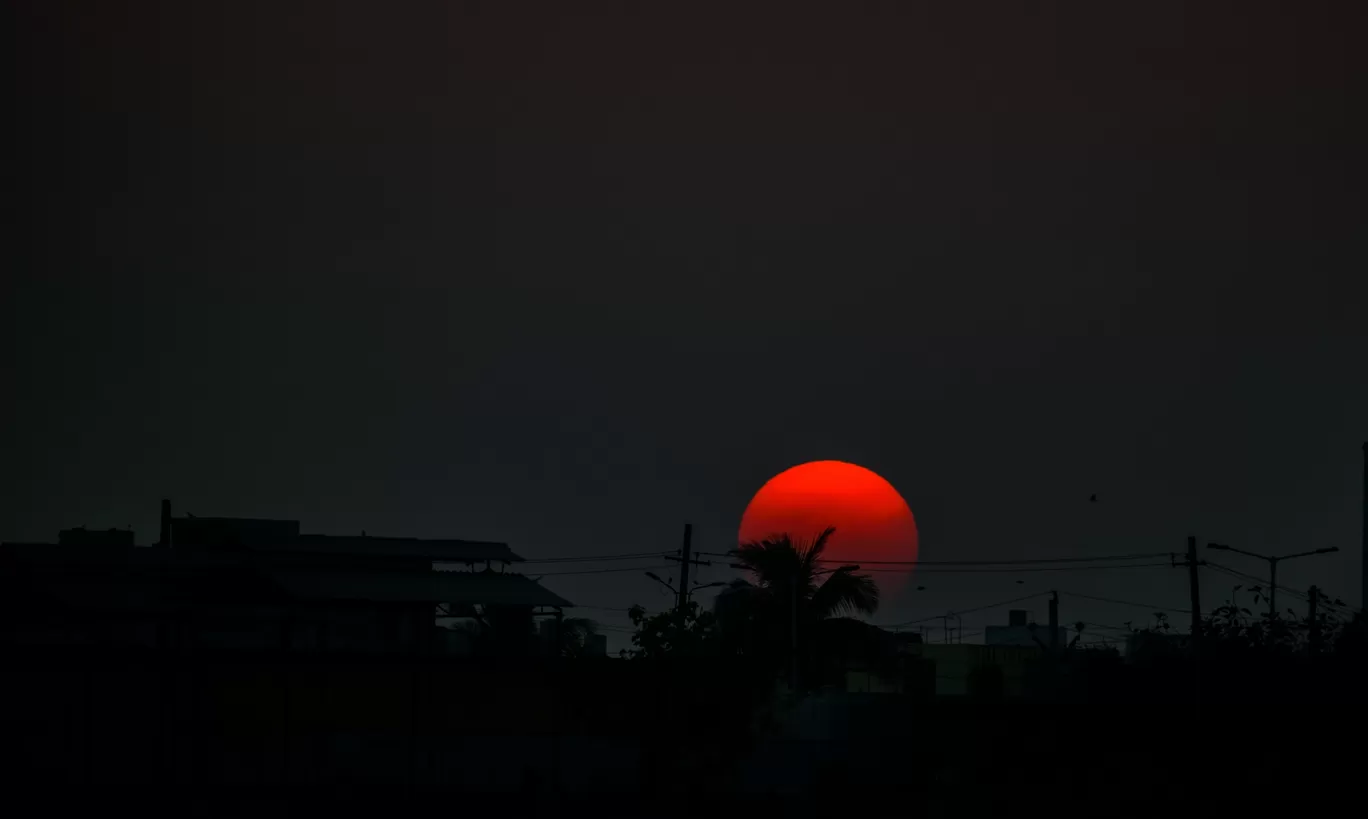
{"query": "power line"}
(1222, 568)
(597, 558)
(956, 637)
(1105, 626)
(606, 571)
(1023, 569)
(602, 608)
(1296, 593)
(966, 611)
(1024, 561)
(1149, 606)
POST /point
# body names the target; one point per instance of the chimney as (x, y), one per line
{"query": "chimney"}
(1017, 617)
(165, 541)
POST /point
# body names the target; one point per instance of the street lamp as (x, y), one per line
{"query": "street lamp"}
(657, 579)
(712, 585)
(1272, 567)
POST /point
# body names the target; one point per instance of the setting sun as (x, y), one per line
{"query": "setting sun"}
(872, 520)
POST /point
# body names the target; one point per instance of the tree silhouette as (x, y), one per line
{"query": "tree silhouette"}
(789, 588)
(674, 633)
(780, 563)
(574, 635)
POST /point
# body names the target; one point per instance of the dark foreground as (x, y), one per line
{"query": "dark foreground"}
(265, 735)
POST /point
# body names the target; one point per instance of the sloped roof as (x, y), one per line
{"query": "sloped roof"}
(416, 587)
(439, 551)
(251, 533)
(263, 535)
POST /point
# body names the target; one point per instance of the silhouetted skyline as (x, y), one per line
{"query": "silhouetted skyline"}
(568, 281)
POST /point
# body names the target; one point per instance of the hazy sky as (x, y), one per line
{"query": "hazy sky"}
(570, 279)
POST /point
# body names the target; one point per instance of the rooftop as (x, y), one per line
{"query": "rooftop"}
(264, 535)
(113, 578)
(485, 587)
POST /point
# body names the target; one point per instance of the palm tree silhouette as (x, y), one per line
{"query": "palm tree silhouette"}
(778, 562)
(789, 588)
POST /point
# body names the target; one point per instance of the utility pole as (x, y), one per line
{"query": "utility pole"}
(685, 561)
(959, 624)
(684, 567)
(1194, 590)
(1313, 593)
(1054, 622)
(1273, 587)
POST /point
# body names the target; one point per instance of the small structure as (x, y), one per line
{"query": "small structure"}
(1022, 633)
(250, 583)
(959, 667)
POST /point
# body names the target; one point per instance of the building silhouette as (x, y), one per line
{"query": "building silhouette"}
(250, 583)
(1019, 631)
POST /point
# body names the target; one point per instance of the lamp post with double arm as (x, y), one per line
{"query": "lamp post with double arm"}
(1273, 562)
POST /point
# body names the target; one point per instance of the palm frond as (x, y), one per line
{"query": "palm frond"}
(812, 552)
(845, 592)
(773, 561)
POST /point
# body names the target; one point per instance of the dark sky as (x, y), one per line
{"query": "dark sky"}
(569, 278)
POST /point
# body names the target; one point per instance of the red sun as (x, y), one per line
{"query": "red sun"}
(872, 520)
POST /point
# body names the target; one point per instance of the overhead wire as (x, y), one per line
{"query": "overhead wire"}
(1021, 562)
(1304, 597)
(955, 567)
(603, 571)
(597, 558)
(602, 608)
(1150, 606)
(966, 611)
(1011, 570)
(1106, 626)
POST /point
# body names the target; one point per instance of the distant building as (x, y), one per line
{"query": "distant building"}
(1020, 632)
(1144, 644)
(246, 583)
(911, 666)
(876, 661)
(956, 665)
(945, 670)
